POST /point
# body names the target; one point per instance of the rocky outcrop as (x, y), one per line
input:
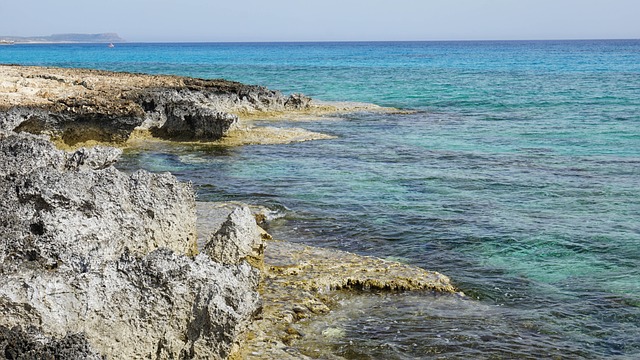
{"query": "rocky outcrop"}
(95, 262)
(75, 210)
(237, 240)
(162, 305)
(189, 121)
(301, 283)
(75, 105)
(298, 102)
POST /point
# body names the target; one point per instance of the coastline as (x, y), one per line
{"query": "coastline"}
(300, 284)
(154, 107)
(76, 108)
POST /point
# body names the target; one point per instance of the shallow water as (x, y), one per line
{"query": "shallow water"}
(394, 326)
(518, 177)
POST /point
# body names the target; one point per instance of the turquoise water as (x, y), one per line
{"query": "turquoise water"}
(518, 177)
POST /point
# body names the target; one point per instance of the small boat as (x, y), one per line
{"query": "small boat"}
(7, 42)
(111, 45)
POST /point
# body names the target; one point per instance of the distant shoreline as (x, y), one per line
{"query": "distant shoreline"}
(319, 42)
(64, 39)
(60, 42)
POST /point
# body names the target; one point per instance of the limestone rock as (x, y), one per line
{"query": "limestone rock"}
(211, 216)
(192, 121)
(237, 239)
(74, 122)
(95, 158)
(75, 210)
(77, 105)
(163, 305)
(94, 262)
(16, 343)
(298, 102)
(300, 282)
(321, 271)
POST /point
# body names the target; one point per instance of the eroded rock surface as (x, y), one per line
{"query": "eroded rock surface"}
(79, 105)
(162, 306)
(237, 240)
(75, 210)
(299, 283)
(97, 263)
(20, 344)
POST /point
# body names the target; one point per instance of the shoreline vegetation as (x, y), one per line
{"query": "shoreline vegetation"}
(133, 265)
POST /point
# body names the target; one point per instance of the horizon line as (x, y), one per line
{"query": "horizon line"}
(397, 40)
(318, 41)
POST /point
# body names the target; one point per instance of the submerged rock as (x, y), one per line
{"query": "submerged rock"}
(323, 270)
(300, 283)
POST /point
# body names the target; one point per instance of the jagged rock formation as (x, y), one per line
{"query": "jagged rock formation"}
(82, 211)
(90, 253)
(299, 283)
(162, 305)
(237, 240)
(76, 105)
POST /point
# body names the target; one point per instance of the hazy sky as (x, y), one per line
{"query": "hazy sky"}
(300, 20)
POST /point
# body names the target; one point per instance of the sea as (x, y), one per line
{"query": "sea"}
(516, 172)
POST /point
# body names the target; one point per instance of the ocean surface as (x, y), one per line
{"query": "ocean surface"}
(518, 176)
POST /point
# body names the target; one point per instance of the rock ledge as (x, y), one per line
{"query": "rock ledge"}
(74, 106)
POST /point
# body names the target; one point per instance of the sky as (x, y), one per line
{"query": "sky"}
(325, 20)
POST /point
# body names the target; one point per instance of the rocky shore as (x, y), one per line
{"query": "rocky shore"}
(96, 263)
(79, 107)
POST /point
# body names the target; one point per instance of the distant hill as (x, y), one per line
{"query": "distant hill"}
(67, 38)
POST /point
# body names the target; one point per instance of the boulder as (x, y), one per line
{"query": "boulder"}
(237, 240)
(192, 121)
(298, 102)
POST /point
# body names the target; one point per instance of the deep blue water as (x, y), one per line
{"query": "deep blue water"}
(518, 176)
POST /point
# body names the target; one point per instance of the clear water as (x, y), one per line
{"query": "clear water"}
(518, 177)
